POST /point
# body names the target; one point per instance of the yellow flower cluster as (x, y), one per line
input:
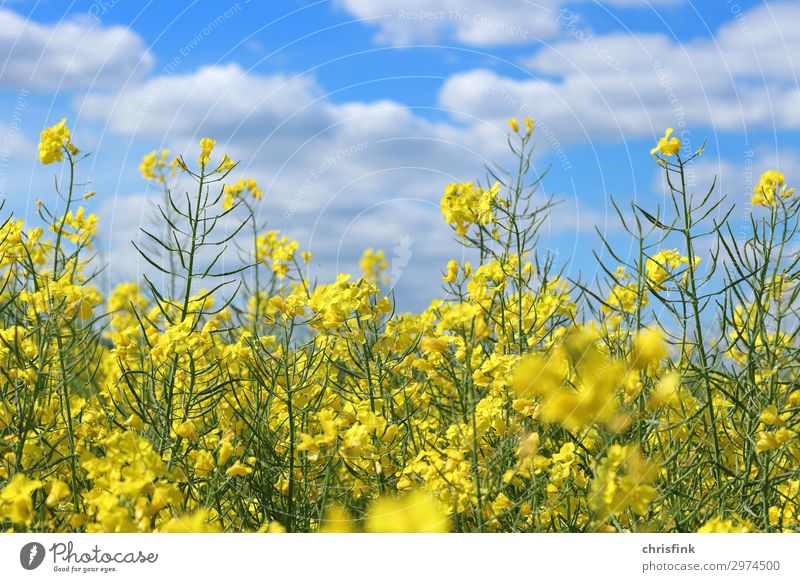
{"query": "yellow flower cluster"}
(235, 190)
(465, 204)
(279, 250)
(61, 297)
(770, 186)
(373, 263)
(660, 266)
(77, 227)
(54, 142)
(623, 482)
(578, 385)
(153, 165)
(529, 125)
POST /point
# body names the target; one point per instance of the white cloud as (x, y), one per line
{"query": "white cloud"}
(616, 86)
(471, 22)
(641, 3)
(286, 130)
(75, 53)
(475, 22)
(310, 152)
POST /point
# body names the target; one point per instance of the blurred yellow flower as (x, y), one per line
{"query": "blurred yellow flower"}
(412, 513)
(15, 499)
(648, 348)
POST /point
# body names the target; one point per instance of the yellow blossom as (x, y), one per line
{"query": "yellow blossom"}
(668, 145)
(206, 146)
(52, 142)
(769, 185)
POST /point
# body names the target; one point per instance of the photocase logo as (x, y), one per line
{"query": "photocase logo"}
(31, 555)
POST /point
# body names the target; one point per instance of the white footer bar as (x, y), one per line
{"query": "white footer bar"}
(401, 558)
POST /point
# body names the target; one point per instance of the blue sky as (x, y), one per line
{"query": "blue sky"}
(354, 114)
